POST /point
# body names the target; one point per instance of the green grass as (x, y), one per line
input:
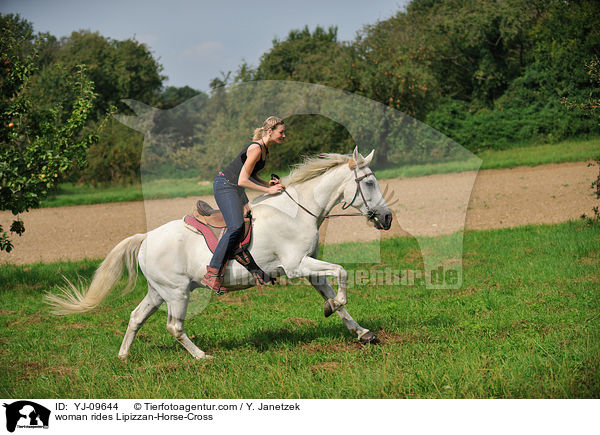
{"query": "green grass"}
(525, 324)
(77, 194)
(568, 151)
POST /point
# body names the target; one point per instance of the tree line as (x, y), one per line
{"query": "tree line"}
(488, 74)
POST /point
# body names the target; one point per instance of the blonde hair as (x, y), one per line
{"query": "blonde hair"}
(270, 122)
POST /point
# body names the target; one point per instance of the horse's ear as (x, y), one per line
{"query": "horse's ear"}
(367, 160)
(130, 121)
(144, 115)
(139, 108)
(358, 158)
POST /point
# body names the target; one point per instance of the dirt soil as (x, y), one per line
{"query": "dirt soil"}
(428, 206)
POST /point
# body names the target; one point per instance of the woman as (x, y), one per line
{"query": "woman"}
(228, 189)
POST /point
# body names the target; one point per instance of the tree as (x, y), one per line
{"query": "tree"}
(118, 69)
(173, 96)
(283, 59)
(591, 108)
(36, 148)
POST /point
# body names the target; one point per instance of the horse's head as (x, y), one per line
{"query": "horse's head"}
(363, 193)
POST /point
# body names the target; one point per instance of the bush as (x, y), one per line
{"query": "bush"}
(114, 158)
(506, 127)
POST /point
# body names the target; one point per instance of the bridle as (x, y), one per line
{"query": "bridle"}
(370, 215)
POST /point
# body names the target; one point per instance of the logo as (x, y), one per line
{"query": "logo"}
(26, 414)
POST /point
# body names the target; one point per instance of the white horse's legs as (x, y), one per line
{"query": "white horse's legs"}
(177, 309)
(145, 309)
(313, 268)
(327, 293)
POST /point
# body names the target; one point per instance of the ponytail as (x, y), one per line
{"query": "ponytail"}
(270, 122)
(258, 134)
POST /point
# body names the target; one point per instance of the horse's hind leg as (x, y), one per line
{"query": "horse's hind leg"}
(326, 291)
(177, 310)
(145, 309)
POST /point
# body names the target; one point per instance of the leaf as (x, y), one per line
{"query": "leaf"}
(17, 227)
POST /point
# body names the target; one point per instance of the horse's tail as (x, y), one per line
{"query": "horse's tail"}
(72, 300)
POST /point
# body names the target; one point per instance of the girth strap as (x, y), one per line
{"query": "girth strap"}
(242, 256)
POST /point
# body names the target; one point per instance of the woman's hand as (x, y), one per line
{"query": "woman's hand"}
(275, 188)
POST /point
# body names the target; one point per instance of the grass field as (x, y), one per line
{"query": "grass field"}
(71, 194)
(568, 151)
(525, 324)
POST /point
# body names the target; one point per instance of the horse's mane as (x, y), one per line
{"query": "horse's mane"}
(312, 167)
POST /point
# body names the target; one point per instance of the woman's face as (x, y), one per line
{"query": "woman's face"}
(277, 134)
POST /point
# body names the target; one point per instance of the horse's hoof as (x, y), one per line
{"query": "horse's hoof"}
(205, 357)
(369, 338)
(328, 308)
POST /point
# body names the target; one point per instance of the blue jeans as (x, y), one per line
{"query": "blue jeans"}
(231, 199)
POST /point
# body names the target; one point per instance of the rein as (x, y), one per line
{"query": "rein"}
(370, 213)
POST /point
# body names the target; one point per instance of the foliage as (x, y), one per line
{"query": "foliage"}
(114, 157)
(475, 48)
(482, 73)
(394, 65)
(596, 189)
(119, 152)
(173, 96)
(37, 146)
(118, 69)
(291, 59)
(488, 74)
(544, 42)
(591, 108)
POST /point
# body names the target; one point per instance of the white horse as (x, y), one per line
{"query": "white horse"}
(285, 242)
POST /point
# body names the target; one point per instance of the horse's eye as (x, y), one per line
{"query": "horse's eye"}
(370, 184)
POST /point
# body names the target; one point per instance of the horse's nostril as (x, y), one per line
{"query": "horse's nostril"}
(388, 220)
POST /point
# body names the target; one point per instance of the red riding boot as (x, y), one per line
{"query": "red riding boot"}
(212, 280)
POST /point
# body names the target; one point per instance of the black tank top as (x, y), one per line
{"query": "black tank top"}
(232, 172)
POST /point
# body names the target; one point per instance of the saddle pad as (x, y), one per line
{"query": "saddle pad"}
(208, 232)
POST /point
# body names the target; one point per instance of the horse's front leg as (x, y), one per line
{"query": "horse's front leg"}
(325, 290)
(319, 270)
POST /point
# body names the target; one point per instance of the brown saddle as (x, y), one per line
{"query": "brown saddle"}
(211, 224)
(212, 218)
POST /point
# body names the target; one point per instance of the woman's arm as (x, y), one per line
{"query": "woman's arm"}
(263, 182)
(260, 181)
(253, 155)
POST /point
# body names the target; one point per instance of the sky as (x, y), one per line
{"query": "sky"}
(195, 41)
